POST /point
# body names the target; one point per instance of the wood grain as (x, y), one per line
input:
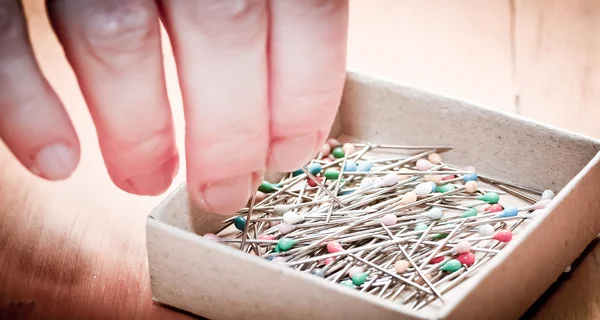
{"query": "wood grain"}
(76, 249)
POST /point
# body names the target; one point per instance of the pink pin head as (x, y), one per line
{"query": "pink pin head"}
(285, 228)
(329, 260)
(334, 246)
(434, 158)
(444, 178)
(389, 219)
(436, 260)
(541, 204)
(312, 183)
(211, 237)
(348, 148)
(462, 247)
(325, 150)
(274, 223)
(280, 259)
(494, 208)
(503, 235)
(354, 271)
(424, 164)
(266, 237)
(467, 259)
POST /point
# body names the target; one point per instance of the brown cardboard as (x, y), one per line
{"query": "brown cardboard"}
(219, 282)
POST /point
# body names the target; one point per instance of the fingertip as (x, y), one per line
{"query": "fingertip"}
(55, 161)
(154, 182)
(225, 196)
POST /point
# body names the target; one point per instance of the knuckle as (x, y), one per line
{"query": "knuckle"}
(229, 21)
(126, 27)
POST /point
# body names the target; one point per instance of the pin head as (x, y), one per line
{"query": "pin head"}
(318, 272)
(350, 166)
(401, 266)
(434, 158)
(266, 237)
(494, 208)
(348, 148)
(260, 196)
(360, 278)
(490, 197)
(469, 213)
(266, 187)
(354, 271)
(435, 213)
(239, 223)
(423, 188)
(312, 183)
(390, 179)
(469, 177)
(408, 198)
(462, 247)
(467, 258)
(509, 212)
(334, 246)
(421, 227)
(329, 260)
(377, 183)
(297, 173)
(347, 283)
(315, 168)
(471, 186)
(286, 244)
(281, 209)
(436, 178)
(332, 174)
(436, 260)
(503, 235)
(291, 217)
(448, 177)
(451, 265)
(285, 228)
(445, 188)
(424, 164)
(366, 183)
(540, 204)
(485, 230)
(389, 219)
(402, 175)
(338, 152)
(364, 166)
(211, 237)
(279, 259)
(547, 194)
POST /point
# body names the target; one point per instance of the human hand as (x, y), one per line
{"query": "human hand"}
(261, 82)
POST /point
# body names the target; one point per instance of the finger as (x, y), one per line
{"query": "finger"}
(220, 49)
(33, 122)
(114, 48)
(307, 61)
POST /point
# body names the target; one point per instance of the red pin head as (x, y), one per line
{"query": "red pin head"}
(494, 208)
(444, 178)
(334, 246)
(467, 259)
(437, 260)
(266, 237)
(312, 183)
(503, 235)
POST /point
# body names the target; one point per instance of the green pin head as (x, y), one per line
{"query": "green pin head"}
(266, 187)
(490, 197)
(286, 244)
(338, 152)
(239, 223)
(444, 188)
(347, 283)
(451, 265)
(332, 174)
(469, 213)
(440, 236)
(360, 278)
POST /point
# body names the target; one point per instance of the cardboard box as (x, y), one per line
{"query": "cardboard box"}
(219, 282)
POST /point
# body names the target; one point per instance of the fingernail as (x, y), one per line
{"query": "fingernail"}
(288, 154)
(226, 196)
(155, 182)
(55, 162)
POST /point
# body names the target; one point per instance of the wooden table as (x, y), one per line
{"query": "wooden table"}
(76, 249)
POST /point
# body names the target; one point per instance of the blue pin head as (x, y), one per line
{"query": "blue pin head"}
(509, 212)
(469, 177)
(350, 166)
(364, 167)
